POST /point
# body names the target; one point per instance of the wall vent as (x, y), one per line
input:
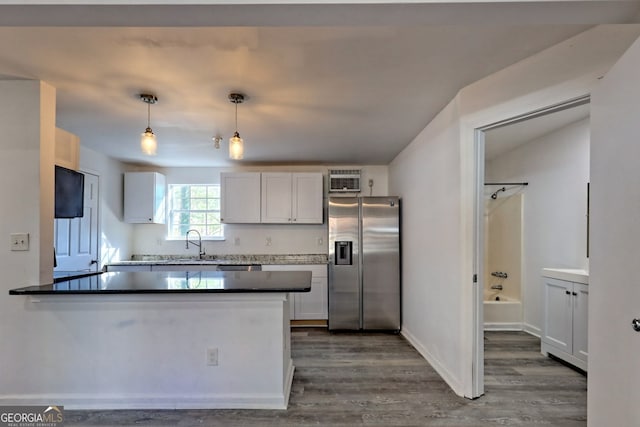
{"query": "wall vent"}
(344, 180)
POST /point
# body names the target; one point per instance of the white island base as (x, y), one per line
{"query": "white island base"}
(147, 351)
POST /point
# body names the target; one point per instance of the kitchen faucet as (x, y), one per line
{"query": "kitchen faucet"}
(199, 244)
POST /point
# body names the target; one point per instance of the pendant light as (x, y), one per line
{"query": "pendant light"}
(236, 144)
(148, 142)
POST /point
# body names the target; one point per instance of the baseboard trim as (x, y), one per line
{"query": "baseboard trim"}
(444, 373)
(110, 402)
(503, 326)
(530, 329)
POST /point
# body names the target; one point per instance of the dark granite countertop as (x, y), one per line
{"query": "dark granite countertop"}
(146, 282)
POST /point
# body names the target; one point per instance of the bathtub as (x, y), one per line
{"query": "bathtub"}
(502, 315)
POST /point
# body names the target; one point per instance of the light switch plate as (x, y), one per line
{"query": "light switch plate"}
(19, 241)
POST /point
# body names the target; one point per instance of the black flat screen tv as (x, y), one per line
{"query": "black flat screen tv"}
(69, 201)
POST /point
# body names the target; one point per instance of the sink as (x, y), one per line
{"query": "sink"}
(240, 267)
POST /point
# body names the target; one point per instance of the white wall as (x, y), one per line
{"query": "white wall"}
(435, 175)
(116, 237)
(556, 166)
(150, 239)
(614, 291)
(27, 126)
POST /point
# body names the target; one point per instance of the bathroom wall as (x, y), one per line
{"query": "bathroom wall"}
(503, 240)
(556, 166)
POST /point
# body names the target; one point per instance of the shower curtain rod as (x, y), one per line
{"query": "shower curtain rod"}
(506, 183)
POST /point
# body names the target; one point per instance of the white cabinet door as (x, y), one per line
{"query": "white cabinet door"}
(557, 325)
(580, 315)
(184, 267)
(111, 268)
(144, 198)
(292, 197)
(67, 149)
(240, 197)
(276, 197)
(307, 198)
(307, 305)
(313, 305)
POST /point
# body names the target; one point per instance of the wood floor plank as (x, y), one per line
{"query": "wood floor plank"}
(371, 379)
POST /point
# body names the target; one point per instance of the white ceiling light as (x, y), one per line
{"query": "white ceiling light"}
(236, 144)
(148, 142)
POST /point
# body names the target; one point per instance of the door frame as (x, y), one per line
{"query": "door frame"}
(477, 376)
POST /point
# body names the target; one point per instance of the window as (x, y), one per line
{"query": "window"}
(194, 207)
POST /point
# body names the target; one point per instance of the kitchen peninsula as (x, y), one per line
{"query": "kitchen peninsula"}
(198, 339)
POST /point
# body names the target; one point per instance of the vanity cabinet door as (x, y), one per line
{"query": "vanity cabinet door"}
(558, 319)
(580, 320)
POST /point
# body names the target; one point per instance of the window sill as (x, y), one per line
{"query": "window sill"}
(204, 239)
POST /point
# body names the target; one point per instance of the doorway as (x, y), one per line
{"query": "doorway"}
(531, 149)
(76, 239)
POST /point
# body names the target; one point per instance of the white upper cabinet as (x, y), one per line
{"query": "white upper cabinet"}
(293, 198)
(67, 150)
(144, 198)
(276, 197)
(306, 204)
(240, 197)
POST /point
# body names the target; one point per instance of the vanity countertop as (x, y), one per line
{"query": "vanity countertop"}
(570, 274)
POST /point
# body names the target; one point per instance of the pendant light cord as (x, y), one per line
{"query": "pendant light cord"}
(148, 115)
(236, 102)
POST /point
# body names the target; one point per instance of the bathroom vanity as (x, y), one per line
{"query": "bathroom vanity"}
(564, 326)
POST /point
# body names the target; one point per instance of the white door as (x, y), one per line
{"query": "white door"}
(614, 288)
(76, 239)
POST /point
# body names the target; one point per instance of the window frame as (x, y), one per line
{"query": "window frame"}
(170, 211)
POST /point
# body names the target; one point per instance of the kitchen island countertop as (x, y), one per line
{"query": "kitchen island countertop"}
(177, 282)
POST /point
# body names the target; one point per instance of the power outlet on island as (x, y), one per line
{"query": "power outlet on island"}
(212, 357)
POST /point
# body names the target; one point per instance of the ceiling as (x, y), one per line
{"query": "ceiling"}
(324, 83)
(504, 139)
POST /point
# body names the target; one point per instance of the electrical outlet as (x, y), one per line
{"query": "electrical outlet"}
(212, 357)
(236, 241)
(268, 242)
(320, 241)
(19, 241)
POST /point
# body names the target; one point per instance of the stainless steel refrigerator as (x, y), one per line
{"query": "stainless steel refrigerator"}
(364, 263)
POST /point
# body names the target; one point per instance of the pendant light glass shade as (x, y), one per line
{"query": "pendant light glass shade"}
(148, 143)
(236, 144)
(236, 147)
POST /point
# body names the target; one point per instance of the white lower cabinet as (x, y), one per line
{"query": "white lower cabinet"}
(311, 305)
(564, 333)
(128, 268)
(184, 267)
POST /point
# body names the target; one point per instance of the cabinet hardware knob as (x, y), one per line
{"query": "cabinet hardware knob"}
(635, 324)
(575, 294)
(567, 292)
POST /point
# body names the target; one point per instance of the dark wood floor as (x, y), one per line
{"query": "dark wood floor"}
(379, 379)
